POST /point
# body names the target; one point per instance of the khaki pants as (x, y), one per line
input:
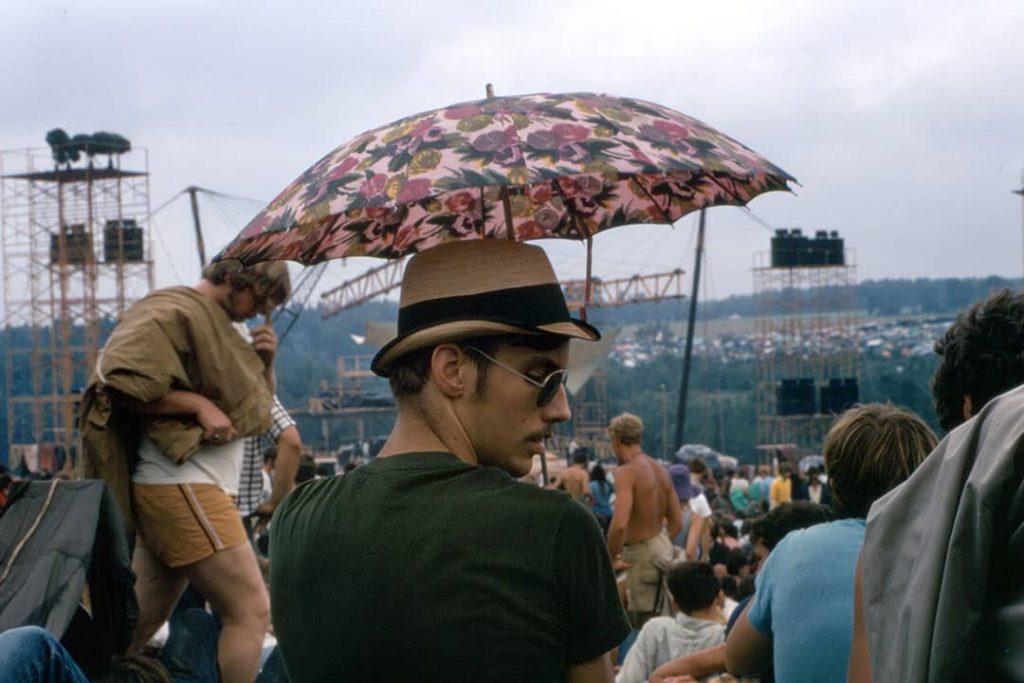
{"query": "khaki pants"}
(644, 579)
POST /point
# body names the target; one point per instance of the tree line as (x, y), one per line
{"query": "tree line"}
(721, 402)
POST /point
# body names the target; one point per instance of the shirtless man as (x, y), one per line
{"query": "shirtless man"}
(574, 480)
(645, 517)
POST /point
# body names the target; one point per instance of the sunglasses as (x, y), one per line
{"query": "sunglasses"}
(549, 386)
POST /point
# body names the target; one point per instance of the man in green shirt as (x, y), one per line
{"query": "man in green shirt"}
(432, 562)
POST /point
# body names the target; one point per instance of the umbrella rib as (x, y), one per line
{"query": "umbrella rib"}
(727, 190)
(509, 231)
(565, 203)
(483, 212)
(664, 214)
(590, 244)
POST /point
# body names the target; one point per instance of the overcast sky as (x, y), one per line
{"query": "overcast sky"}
(903, 121)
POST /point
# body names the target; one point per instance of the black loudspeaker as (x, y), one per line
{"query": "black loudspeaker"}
(786, 248)
(77, 245)
(793, 249)
(839, 395)
(122, 241)
(796, 397)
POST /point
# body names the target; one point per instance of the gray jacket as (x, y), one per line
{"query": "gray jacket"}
(942, 559)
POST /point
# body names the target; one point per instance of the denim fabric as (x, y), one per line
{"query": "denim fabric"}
(29, 654)
(190, 654)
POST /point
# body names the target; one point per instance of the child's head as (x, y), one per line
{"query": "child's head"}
(693, 585)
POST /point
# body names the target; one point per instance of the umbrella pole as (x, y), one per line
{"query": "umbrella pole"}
(688, 353)
(587, 284)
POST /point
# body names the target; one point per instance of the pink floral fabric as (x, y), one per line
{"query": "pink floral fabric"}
(520, 168)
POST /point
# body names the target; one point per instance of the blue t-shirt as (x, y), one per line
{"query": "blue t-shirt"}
(602, 493)
(804, 601)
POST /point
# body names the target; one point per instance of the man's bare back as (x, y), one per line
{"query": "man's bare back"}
(645, 508)
(575, 481)
(651, 493)
(645, 502)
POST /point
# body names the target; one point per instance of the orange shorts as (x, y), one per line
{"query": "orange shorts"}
(182, 524)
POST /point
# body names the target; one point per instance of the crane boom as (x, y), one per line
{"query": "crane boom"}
(604, 293)
(357, 291)
(625, 291)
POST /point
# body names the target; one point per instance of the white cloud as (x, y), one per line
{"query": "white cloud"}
(901, 120)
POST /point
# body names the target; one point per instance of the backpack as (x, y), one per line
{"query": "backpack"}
(56, 538)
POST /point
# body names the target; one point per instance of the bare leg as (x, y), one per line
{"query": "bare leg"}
(157, 588)
(232, 583)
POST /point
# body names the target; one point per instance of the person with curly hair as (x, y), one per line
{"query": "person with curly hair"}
(981, 355)
(939, 583)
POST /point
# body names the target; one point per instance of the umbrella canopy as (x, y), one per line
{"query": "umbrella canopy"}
(520, 168)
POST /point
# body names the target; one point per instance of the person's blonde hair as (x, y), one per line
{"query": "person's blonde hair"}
(269, 280)
(627, 429)
(870, 450)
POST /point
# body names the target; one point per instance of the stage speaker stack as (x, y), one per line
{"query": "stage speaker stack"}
(793, 249)
(839, 395)
(796, 396)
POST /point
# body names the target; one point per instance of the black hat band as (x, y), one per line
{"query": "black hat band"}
(531, 306)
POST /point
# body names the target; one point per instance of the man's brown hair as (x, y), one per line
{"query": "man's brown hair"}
(627, 429)
(870, 450)
(268, 280)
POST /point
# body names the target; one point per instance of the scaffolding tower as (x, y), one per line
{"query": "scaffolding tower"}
(590, 415)
(357, 410)
(76, 254)
(807, 360)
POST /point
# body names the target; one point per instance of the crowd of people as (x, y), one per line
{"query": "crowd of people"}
(895, 560)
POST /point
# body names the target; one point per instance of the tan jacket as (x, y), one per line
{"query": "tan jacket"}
(175, 338)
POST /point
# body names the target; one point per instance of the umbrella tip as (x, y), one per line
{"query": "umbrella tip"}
(489, 89)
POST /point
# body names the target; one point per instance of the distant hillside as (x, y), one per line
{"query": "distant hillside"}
(874, 297)
(310, 352)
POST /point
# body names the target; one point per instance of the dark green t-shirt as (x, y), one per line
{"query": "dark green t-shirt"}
(421, 567)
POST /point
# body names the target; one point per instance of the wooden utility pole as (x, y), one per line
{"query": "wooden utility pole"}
(1021, 193)
(664, 423)
(199, 231)
(688, 353)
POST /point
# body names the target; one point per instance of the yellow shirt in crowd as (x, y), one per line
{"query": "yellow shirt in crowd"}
(781, 491)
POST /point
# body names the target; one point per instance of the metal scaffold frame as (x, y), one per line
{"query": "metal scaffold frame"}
(76, 254)
(806, 325)
(590, 415)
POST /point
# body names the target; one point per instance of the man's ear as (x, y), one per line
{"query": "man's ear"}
(968, 407)
(448, 370)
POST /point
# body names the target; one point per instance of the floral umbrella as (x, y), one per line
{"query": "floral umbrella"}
(521, 168)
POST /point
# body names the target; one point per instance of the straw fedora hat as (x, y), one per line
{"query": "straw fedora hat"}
(478, 288)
